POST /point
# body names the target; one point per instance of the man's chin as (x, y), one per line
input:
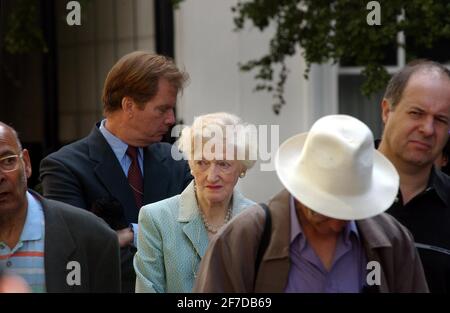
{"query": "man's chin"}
(151, 140)
(419, 160)
(160, 135)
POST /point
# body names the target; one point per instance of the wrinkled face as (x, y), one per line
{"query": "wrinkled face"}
(148, 125)
(321, 224)
(13, 184)
(416, 130)
(215, 179)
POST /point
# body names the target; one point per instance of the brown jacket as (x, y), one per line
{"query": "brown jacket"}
(229, 263)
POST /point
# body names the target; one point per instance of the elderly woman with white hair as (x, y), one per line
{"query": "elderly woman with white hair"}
(174, 233)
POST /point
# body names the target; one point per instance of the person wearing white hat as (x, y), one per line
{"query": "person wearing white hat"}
(416, 115)
(327, 230)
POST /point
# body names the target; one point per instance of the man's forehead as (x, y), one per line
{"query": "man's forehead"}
(8, 142)
(443, 111)
(426, 82)
(427, 76)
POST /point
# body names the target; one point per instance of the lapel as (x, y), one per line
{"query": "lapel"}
(155, 176)
(59, 247)
(191, 221)
(276, 258)
(373, 238)
(193, 226)
(110, 173)
(239, 203)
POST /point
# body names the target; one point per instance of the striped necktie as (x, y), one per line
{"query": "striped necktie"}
(135, 176)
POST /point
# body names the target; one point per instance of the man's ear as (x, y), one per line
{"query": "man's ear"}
(444, 160)
(127, 106)
(27, 162)
(385, 110)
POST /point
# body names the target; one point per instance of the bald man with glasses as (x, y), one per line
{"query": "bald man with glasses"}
(51, 245)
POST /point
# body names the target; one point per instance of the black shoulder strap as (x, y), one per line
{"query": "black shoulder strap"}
(265, 238)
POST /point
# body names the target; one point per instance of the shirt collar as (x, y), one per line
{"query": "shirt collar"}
(296, 228)
(351, 229)
(34, 222)
(438, 182)
(118, 146)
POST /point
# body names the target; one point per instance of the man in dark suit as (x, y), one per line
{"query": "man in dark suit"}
(54, 246)
(121, 165)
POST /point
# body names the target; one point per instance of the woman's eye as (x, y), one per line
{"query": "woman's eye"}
(224, 164)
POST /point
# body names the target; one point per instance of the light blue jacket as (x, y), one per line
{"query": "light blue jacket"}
(172, 240)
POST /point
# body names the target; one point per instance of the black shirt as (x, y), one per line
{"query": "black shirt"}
(427, 216)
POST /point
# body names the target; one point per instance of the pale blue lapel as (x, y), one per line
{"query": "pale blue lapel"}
(239, 202)
(193, 225)
(196, 232)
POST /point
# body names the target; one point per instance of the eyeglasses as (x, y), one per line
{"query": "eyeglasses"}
(10, 163)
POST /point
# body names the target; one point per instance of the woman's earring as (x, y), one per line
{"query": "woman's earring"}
(242, 175)
(192, 173)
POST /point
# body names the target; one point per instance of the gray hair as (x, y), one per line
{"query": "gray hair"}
(228, 129)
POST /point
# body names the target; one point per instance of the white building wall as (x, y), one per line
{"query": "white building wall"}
(210, 50)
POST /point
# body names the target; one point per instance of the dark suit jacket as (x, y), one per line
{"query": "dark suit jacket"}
(72, 234)
(87, 172)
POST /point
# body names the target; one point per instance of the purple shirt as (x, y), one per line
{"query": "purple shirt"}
(307, 273)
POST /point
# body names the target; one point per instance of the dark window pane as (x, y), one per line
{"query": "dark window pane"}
(440, 52)
(352, 102)
(390, 57)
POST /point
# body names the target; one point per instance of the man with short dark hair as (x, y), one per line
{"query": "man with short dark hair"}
(121, 165)
(53, 246)
(416, 114)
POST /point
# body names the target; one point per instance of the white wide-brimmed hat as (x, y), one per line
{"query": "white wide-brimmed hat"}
(335, 170)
